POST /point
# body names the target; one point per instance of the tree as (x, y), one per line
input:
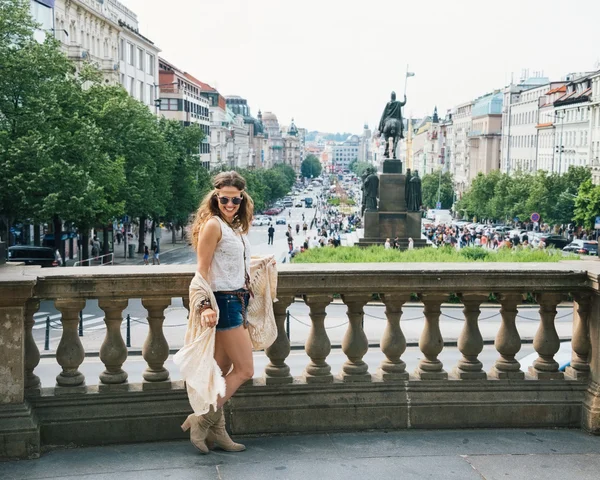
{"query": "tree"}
(189, 180)
(587, 204)
(311, 167)
(52, 158)
(288, 172)
(358, 168)
(431, 183)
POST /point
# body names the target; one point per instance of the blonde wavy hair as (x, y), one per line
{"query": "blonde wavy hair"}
(209, 207)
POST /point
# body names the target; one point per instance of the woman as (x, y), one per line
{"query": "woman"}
(219, 236)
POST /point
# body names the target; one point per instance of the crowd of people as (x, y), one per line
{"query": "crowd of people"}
(491, 237)
(324, 229)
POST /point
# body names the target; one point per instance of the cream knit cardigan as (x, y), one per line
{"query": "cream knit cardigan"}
(200, 371)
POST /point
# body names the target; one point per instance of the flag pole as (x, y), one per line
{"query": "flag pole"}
(405, 79)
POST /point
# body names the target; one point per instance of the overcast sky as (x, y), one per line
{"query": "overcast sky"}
(332, 64)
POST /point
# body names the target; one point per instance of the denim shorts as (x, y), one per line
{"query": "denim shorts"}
(230, 309)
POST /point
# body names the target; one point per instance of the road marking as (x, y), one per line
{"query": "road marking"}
(42, 322)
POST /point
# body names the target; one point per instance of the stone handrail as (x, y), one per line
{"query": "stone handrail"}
(360, 396)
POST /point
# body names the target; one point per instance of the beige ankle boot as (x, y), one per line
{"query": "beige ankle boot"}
(199, 428)
(218, 436)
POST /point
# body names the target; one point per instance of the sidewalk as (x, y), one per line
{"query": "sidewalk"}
(407, 454)
(138, 258)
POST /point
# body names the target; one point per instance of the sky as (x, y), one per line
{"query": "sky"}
(332, 64)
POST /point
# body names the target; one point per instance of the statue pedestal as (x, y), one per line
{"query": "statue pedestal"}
(392, 166)
(392, 219)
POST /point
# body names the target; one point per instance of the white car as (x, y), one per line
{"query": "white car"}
(260, 221)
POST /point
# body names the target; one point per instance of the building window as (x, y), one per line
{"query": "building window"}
(132, 86)
(150, 93)
(122, 50)
(169, 104)
(141, 90)
(140, 64)
(130, 54)
(150, 64)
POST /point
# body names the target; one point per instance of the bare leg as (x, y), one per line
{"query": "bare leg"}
(221, 357)
(237, 346)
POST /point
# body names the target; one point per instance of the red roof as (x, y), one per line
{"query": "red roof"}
(558, 89)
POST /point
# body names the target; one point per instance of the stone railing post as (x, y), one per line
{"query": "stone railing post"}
(431, 342)
(355, 343)
(393, 342)
(318, 345)
(508, 341)
(590, 420)
(113, 351)
(70, 353)
(156, 349)
(19, 431)
(546, 341)
(580, 367)
(277, 372)
(470, 341)
(32, 352)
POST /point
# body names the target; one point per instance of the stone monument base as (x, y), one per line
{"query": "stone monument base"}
(382, 225)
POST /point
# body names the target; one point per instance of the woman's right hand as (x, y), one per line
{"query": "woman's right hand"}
(208, 318)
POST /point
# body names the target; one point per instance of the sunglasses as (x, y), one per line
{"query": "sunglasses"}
(234, 200)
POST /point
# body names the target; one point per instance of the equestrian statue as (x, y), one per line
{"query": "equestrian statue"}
(391, 126)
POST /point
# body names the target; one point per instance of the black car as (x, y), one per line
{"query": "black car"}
(556, 241)
(29, 255)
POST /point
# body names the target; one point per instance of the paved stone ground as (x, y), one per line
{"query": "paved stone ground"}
(416, 454)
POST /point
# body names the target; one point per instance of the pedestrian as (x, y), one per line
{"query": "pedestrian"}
(219, 235)
(290, 241)
(155, 254)
(411, 243)
(304, 228)
(387, 245)
(297, 228)
(271, 234)
(146, 255)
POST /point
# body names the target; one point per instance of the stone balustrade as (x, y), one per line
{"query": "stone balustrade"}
(84, 411)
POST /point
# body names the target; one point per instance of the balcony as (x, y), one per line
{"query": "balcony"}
(384, 396)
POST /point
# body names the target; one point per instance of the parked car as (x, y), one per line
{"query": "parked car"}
(556, 241)
(280, 221)
(271, 211)
(583, 247)
(288, 203)
(260, 221)
(298, 203)
(29, 255)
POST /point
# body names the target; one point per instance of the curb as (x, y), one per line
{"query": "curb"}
(297, 347)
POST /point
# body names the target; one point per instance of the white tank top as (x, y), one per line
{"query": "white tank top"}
(227, 267)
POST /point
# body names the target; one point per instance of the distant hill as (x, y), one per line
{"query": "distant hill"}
(335, 137)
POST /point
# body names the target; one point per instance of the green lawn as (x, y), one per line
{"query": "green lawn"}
(429, 254)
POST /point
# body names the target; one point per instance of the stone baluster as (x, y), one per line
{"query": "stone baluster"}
(508, 341)
(32, 352)
(355, 343)
(470, 342)
(393, 342)
(156, 349)
(431, 342)
(546, 342)
(580, 367)
(318, 345)
(70, 353)
(277, 372)
(113, 351)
